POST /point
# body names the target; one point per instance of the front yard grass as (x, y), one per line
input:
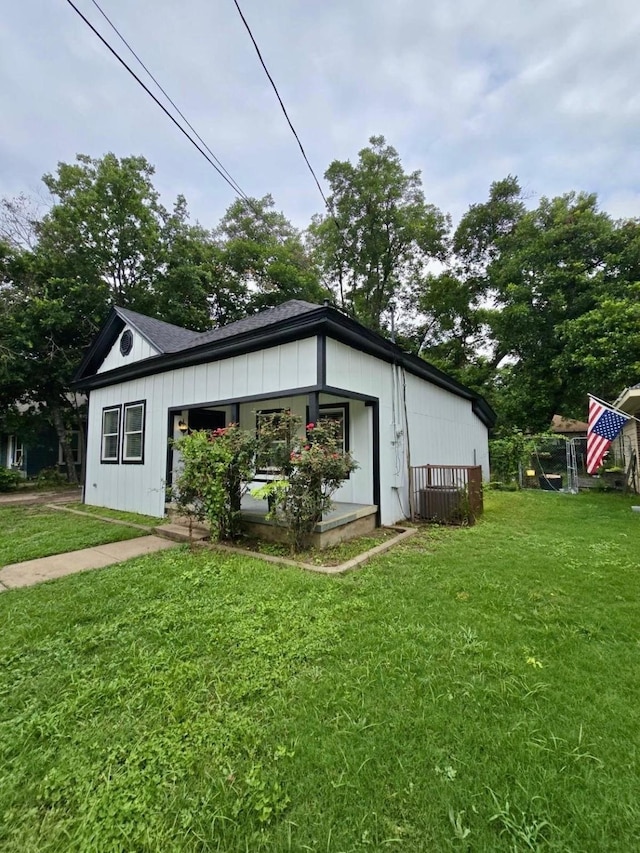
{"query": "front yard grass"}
(28, 532)
(474, 689)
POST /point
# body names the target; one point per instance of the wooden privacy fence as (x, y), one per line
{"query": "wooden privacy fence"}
(449, 494)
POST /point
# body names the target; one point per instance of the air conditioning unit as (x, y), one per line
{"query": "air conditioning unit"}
(440, 503)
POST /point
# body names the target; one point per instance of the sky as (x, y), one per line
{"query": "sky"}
(467, 91)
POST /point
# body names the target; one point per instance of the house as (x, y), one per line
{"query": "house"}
(31, 445)
(629, 440)
(146, 379)
(568, 427)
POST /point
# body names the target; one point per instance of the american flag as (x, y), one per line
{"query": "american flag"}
(604, 426)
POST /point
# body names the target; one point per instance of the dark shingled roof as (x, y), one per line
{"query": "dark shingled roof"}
(168, 338)
(165, 337)
(287, 311)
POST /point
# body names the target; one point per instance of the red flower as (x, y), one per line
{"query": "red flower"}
(310, 427)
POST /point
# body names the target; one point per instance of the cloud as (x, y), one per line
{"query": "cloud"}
(466, 92)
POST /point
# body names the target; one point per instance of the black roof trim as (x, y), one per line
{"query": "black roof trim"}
(300, 321)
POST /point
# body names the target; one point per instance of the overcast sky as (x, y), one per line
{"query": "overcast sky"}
(467, 91)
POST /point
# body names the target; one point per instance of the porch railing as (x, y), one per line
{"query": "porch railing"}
(449, 494)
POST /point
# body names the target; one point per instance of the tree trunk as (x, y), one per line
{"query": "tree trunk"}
(63, 438)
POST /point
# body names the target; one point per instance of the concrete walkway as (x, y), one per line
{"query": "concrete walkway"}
(48, 568)
(28, 497)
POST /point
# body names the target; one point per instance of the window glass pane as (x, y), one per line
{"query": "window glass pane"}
(133, 446)
(110, 447)
(110, 421)
(270, 455)
(133, 419)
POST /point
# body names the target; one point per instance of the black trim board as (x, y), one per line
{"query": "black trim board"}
(375, 407)
(250, 398)
(321, 346)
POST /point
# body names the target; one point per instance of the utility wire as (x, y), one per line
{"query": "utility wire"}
(239, 189)
(151, 95)
(275, 89)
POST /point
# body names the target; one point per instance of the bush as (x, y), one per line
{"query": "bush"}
(51, 477)
(9, 480)
(217, 467)
(313, 467)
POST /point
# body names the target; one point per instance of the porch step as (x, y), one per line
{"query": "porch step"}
(180, 532)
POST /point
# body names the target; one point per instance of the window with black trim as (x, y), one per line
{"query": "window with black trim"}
(269, 456)
(133, 432)
(110, 434)
(336, 412)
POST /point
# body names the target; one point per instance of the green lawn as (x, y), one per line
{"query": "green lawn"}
(474, 689)
(27, 532)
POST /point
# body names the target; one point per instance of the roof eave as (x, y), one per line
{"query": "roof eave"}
(324, 320)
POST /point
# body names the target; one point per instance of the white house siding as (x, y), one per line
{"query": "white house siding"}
(141, 488)
(140, 350)
(441, 426)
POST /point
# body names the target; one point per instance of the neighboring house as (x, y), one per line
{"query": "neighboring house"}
(629, 402)
(144, 377)
(30, 451)
(568, 427)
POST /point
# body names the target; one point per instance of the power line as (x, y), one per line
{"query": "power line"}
(239, 189)
(161, 105)
(275, 89)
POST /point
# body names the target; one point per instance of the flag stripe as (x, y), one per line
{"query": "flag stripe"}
(604, 425)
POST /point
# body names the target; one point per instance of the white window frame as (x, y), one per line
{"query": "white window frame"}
(126, 459)
(110, 460)
(15, 452)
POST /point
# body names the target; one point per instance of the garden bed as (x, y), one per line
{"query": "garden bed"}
(333, 560)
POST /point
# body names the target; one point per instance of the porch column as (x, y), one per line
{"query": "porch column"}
(313, 402)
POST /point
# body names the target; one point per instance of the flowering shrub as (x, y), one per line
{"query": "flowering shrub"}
(217, 466)
(313, 466)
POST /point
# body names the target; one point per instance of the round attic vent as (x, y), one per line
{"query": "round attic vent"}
(126, 342)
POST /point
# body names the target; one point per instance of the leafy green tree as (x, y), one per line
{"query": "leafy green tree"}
(602, 346)
(516, 312)
(379, 235)
(44, 320)
(106, 223)
(456, 304)
(192, 287)
(262, 257)
(105, 240)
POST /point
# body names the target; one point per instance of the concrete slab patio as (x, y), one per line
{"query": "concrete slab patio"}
(47, 568)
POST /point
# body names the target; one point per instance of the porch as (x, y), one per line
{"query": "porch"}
(344, 521)
(359, 435)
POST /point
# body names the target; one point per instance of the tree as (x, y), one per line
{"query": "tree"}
(105, 240)
(262, 257)
(456, 304)
(379, 235)
(524, 288)
(192, 289)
